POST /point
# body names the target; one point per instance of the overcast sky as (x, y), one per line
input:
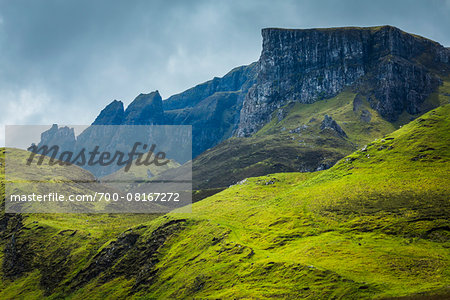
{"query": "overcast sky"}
(63, 61)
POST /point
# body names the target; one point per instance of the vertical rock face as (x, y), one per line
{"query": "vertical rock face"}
(113, 114)
(146, 109)
(212, 108)
(395, 68)
(240, 78)
(64, 137)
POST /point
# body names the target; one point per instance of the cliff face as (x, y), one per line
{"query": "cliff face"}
(146, 109)
(112, 114)
(212, 108)
(63, 137)
(396, 70)
(235, 80)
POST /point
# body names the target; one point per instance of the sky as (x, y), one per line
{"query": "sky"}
(63, 61)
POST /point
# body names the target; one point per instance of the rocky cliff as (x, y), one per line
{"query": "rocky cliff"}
(212, 108)
(389, 69)
(64, 137)
(394, 69)
(112, 114)
(146, 109)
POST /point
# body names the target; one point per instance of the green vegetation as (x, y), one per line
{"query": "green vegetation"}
(293, 140)
(375, 225)
(44, 178)
(294, 143)
(124, 180)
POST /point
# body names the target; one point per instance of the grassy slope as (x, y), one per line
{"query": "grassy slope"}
(124, 180)
(48, 247)
(275, 148)
(374, 225)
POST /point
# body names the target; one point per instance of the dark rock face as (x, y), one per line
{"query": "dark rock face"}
(237, 79)
(212, 120)
(401, 85)
(129, 249)
(146, 109)
(357, 102)
(396, 68)
(329, 123)
(17, 255)
(113, 114)
(365, 116)
(212, 108)
(64, 137)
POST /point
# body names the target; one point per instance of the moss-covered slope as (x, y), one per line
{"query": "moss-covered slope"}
(294, 140)
(375, 225)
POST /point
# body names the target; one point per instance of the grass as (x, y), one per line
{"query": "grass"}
(295, 143)
(375, 225)
(378, 219)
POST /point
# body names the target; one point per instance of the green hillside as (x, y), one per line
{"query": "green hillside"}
(294, 141)
(375, 225)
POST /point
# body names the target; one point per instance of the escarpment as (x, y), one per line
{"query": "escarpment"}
(397, 71)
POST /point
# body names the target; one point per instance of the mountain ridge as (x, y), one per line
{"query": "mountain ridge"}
(360, 211)
(373, 226)
(308, 65)
(392, 72)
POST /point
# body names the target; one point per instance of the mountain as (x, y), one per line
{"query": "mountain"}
(145, 110)
(369, 81)
(298, 140)
(269, 116)
(212, 108)
(112, 114)
(397, 71)
(375, 225)
(358, 122)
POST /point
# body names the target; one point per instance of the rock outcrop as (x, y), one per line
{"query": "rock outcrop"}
(212, 108)
(112, 114)
(64, 137)
(397, 70)
(146, 109)
(329, 123)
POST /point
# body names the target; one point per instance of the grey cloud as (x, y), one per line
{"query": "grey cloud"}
(63, 61)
